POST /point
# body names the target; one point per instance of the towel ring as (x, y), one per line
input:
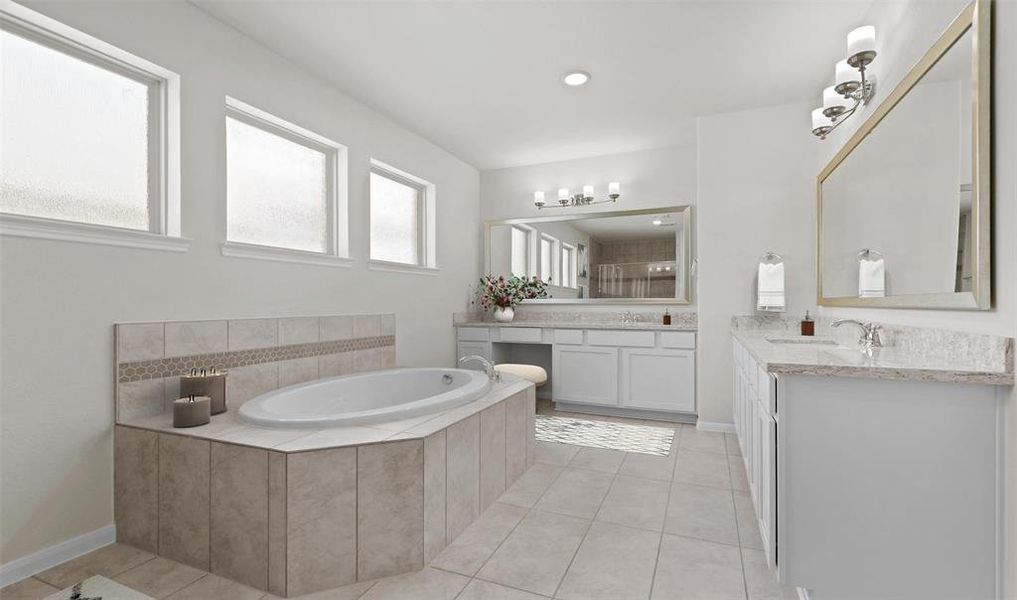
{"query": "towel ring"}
(868, 253)
(771, 258)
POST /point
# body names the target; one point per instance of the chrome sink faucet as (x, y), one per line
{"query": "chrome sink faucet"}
(492, 373)
(870, 333)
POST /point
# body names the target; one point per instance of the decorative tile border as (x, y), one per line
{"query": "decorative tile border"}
(179, 365)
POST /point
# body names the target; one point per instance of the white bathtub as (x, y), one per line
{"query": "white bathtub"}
(373, 397)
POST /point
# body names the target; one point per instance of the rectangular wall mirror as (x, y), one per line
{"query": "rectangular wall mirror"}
(904, 214)
(620, 257)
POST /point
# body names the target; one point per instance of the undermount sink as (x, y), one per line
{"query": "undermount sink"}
(806, 342)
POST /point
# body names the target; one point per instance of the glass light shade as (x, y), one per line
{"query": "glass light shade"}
(861, 40)
(831, 99)
(845, 73)
(614, 188)
(819, 119)
(538, 198)
(587, 191)
(563, 193)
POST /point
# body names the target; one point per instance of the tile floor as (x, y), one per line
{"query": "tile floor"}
(581, 524)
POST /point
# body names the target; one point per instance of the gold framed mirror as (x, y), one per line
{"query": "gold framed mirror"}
(904, 208)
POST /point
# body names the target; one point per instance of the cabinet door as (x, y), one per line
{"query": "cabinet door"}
(659, 379)
(767, 485)
(478, 348)
(585, 375)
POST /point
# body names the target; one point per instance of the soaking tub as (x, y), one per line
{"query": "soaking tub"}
(374, 397)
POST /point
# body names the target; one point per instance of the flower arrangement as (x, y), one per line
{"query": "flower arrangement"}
(496, 293)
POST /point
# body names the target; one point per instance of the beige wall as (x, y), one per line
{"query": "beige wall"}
(59, 300)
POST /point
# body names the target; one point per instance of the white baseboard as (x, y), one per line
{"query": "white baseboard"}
(37, 562)
(721, 427)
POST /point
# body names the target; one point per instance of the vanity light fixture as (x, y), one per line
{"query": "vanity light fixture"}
(585, 198)
(851, 85)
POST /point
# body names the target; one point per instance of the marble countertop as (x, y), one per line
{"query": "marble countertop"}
(785, 352)
(228, 427)
(639, 326)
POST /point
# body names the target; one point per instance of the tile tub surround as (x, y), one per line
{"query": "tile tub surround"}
(648, 320)
(908, 353)
(294, 519)
(260, 354)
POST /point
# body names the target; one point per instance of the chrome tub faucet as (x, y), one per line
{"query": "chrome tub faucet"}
(492, 373)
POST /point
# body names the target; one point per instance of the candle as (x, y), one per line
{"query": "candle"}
(846, 74)
(563, 193)
(192, 411)
(538, 198)
(861, 40)
(833, 103)
(819, 119)
(587, 191)
(614, 188)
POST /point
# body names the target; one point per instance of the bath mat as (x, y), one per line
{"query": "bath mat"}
(98, 587)
(605, 434)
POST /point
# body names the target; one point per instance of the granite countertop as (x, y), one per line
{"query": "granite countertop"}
(639, 326)
(986, 360)
(228, 427)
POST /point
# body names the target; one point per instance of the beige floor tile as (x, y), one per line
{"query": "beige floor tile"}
(702, 441)
(702, 468)
(761, 581)
(537, 553)
(648, 466)
(528, 489)
(479, 541)
(598, 459)
(213, 587)
(485, 590)
(636, 502)
(554, 453)
(731, 442)
(739, 478)
(428, 584)
(689, 569)
(613, 563)
(107, 561)
(354, 591)
(27, 589)
(160, 577)
(748, 526)
(576, 492)
(702, 512)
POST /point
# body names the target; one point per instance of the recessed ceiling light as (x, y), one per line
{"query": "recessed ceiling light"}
(576, 78)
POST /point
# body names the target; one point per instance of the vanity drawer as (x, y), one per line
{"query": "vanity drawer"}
(568, 336)
(685, 340)
(609, 337)
(523, 335)
(473, 334)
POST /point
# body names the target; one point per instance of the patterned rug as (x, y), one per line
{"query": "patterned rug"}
(98, 588)
(605, 434)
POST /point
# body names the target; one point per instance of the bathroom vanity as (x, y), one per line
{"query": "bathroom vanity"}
(875, 475)
(605, 367)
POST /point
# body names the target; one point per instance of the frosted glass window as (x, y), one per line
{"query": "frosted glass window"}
(520, 252)
(277, 190)
(396, 220)
(546, 259)
(75, 138)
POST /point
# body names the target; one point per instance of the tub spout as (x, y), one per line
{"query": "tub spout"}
(492, 373)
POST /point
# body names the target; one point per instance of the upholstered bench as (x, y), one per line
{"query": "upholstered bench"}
(529, 372)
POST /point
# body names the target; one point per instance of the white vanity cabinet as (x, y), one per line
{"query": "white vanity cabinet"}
(613, 370)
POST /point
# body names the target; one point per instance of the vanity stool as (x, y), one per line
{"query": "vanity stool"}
(529, 372)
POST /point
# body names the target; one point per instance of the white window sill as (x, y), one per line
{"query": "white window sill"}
(396, 267)
(85, 233)
(255, 251)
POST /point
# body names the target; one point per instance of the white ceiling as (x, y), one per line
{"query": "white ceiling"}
(482, 79)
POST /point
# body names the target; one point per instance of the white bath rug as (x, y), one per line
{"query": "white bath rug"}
(605, 434)
(98, 587)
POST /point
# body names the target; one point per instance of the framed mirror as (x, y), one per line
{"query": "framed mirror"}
(620, 257)
(904, 207)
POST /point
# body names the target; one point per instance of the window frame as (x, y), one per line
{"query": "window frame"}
(337, 212)
(164, 228)
(426, 222)
(554, 278)
(531, 249)
(569, 250)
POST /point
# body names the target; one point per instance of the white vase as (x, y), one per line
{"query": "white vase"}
(504, 315)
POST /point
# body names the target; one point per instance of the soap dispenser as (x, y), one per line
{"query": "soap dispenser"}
(667, 317)
(808, 325)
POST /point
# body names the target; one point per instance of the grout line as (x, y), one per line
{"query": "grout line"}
(667, 509)
(738, 533)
